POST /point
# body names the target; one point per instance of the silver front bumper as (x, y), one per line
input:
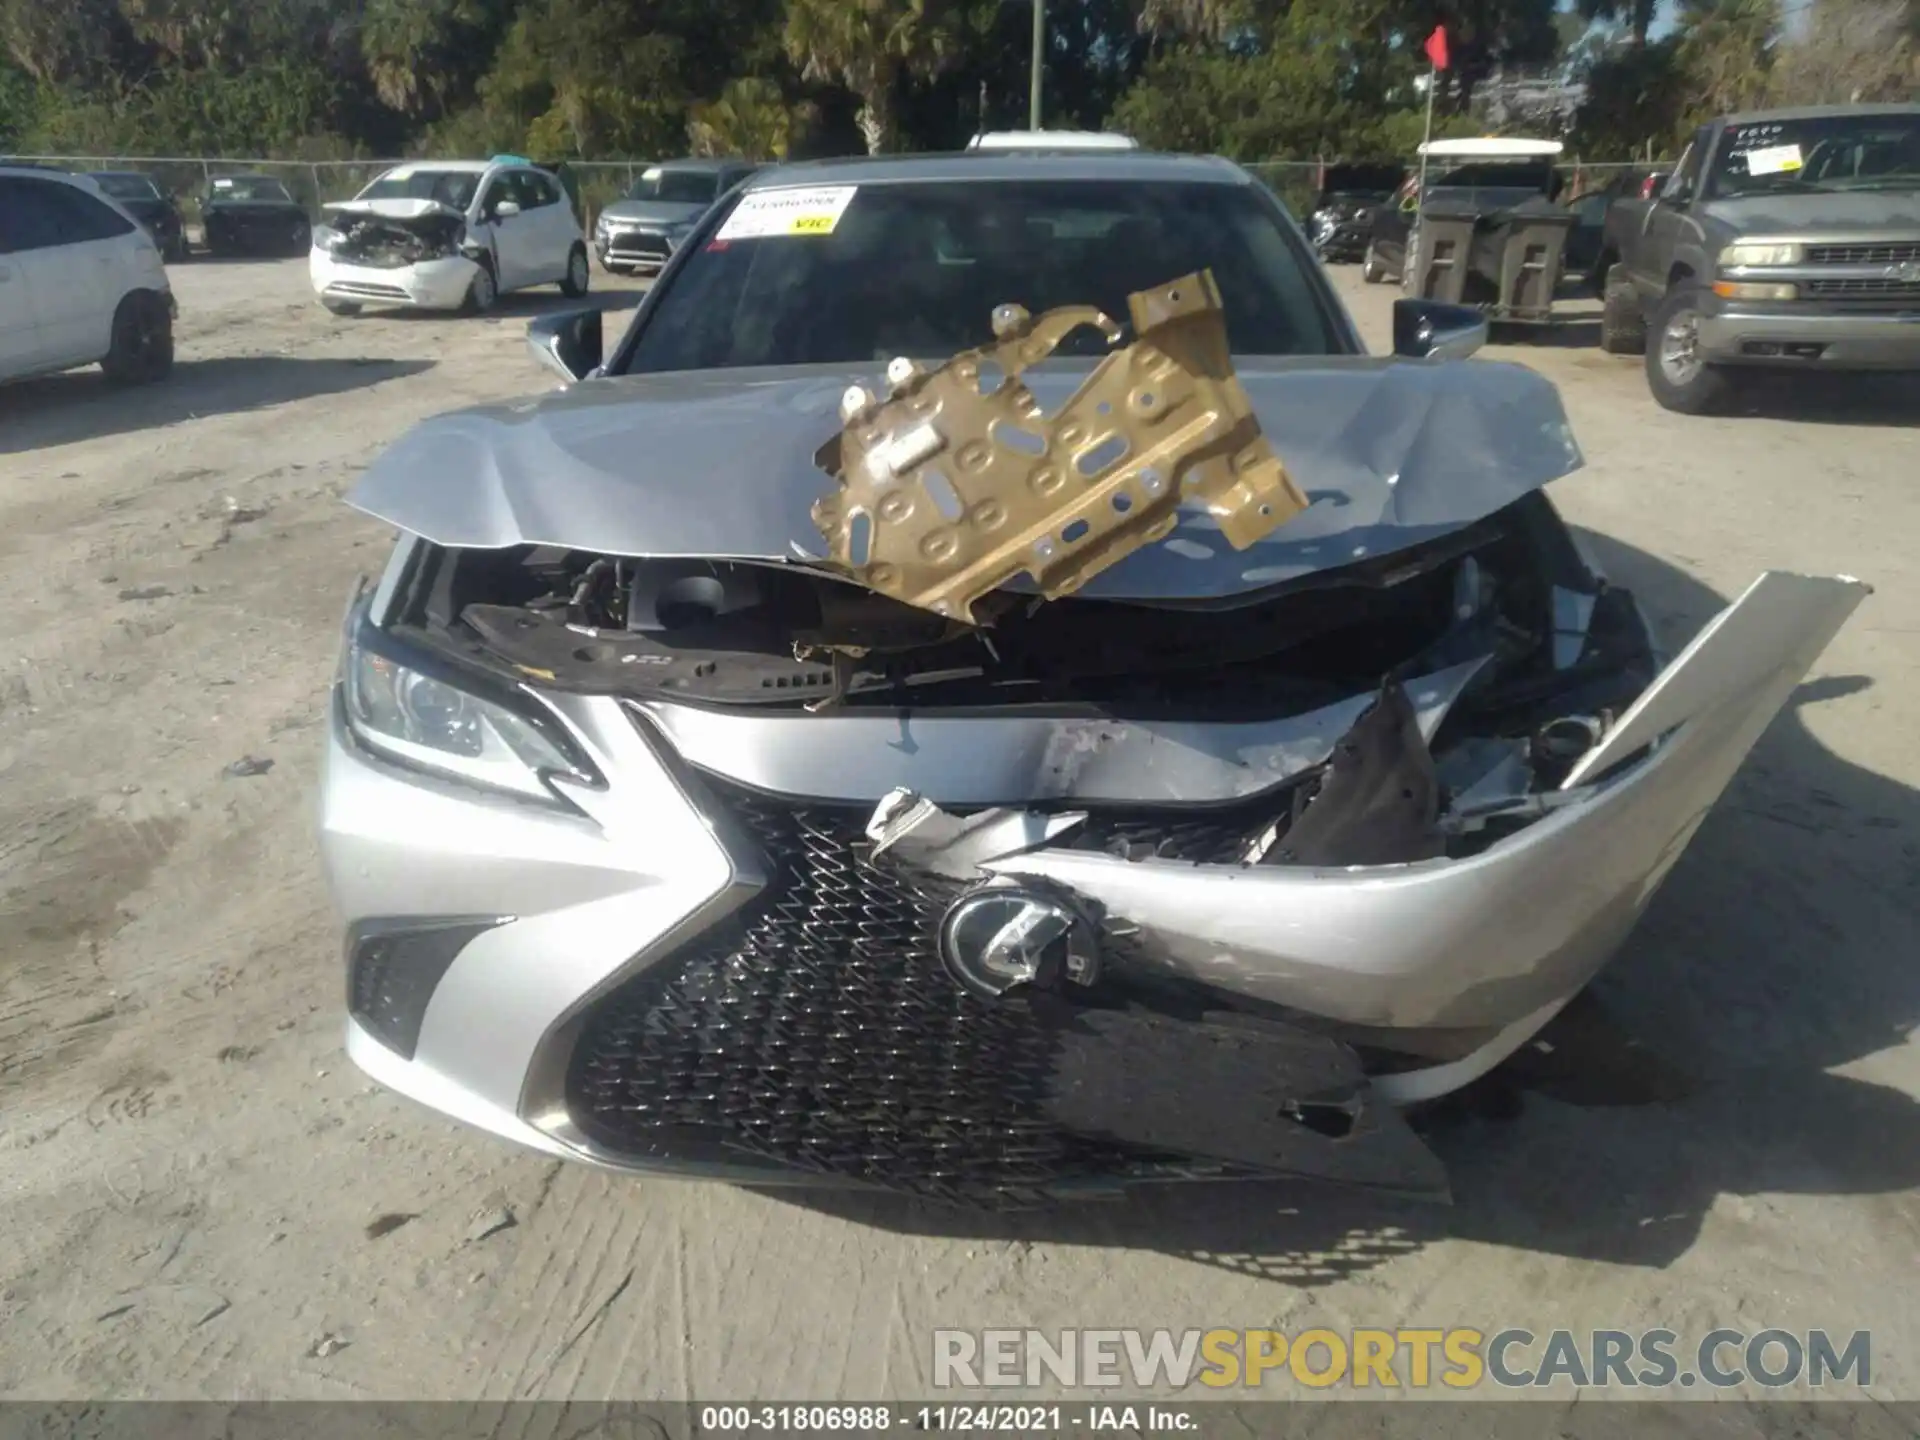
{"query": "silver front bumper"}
(585, 897)
(1888, 341)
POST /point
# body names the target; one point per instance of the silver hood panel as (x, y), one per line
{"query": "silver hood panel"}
(719, 464)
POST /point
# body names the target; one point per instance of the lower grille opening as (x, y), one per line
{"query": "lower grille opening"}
(822, 1032)
(819, 1032)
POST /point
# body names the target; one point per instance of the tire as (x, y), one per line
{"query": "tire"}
(579, 274)
(1370, 270)
(142, 345)
(340, 307)
(176, 252)
(484, 293)
(301, 239)
(1623, 324)
(1679, 379)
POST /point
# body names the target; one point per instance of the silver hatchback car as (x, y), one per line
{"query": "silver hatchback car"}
(664, 844)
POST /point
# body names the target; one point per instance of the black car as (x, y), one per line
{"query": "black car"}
(253, 215)
(156, 211)
(1342, 220)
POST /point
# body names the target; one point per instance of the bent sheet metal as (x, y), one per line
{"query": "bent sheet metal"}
(959, 481)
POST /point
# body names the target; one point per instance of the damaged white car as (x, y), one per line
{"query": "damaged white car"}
(449, 235)
(987, 691)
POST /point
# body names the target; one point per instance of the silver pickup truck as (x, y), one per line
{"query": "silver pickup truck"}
(1787, 239)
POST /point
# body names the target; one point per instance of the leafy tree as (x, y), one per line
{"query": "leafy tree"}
(1637, 97)
(1726, 53)
(1636, 15)
(60, 42)
(751, 119)
(1851, 51)
(871, 47)
(425, 57)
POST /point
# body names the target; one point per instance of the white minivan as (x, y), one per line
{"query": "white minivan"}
(80, 282)
(449, 235)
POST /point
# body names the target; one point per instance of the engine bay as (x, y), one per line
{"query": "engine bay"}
(1561, 655)
(394, 244)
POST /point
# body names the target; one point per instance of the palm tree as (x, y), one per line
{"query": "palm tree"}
(867, 46)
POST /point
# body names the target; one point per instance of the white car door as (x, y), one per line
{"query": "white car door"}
(78, 261)
(505, 229)
(559, 226)
(20, 342)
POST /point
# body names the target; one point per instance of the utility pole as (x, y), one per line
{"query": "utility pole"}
(1039, 50)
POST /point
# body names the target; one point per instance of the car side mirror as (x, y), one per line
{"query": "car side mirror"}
(1436, 330)
(506, 208)
(568, 343)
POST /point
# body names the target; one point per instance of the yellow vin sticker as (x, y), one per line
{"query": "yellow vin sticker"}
(815, 210)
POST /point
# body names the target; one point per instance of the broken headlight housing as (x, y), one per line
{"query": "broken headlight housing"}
(325, 237)
(432, 722)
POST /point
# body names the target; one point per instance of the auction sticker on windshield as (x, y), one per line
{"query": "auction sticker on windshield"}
(814, 211)
(1773, 160)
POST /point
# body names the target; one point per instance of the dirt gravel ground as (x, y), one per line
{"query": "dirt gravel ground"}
(200, 1197)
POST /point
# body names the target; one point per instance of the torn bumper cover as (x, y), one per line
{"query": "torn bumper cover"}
(1138, 883)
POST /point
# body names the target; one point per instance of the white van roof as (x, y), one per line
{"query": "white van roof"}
(1052, 140)
(1491, 147)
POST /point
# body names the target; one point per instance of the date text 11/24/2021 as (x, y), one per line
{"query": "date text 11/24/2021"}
(1017, 1419)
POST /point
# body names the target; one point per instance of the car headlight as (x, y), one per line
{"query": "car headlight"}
(1739, 256)
(425, 721)
(325, 237)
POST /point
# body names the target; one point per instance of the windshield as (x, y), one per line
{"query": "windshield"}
(250, 187)
(1827, 152)
(916, 270)
(452, 188)
(128, 187)
(677, 187)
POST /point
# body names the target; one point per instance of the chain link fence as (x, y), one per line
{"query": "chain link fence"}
(315, 183)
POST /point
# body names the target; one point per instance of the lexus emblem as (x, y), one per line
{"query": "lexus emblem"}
(1907, 272)
(1010, 933)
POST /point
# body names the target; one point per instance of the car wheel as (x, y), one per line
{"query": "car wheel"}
(578, 275)
(1623, 324)
(142, 345)
(1679, 378)
(340, 307)
(176, 252)
(484, 293)
(300, 238)
(1370, 270)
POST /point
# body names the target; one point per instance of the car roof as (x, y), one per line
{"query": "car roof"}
(1491, 147)
(121, 174)
(697, 163)
(1002, 166)
(248, 175)
(1822, 112)
(456, 167)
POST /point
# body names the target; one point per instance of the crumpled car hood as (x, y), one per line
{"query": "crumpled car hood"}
(392, 209)
(719, 464)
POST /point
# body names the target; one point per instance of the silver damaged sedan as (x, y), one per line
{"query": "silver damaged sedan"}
(662, 844)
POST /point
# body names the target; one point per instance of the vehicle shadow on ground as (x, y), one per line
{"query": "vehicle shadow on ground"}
(1829, 399)
(82, 405)
(1778, 951)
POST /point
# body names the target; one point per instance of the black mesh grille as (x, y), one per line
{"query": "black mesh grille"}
(820, 1031)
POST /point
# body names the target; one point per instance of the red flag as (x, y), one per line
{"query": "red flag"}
(1437, 47)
